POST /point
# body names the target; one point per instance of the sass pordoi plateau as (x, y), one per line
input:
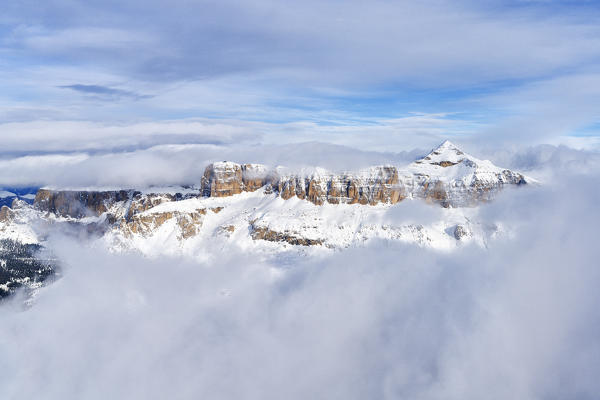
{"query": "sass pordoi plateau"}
(269, 211)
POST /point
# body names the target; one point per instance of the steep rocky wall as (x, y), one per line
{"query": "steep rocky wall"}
(376, 185)
(382, 185)
(222, 179)
(459, 194)
(6, 214)
(77, 204)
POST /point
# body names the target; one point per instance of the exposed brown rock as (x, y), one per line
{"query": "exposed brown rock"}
(222, 179)
(292, 186)
(226, 179)
(264, 233)
(316, 193)
(229, 228)
(6, 214)
(146, 223)
(142, 202)
(254, 176)
(444, 163)
(382, 186)
(436, 192)
(190, 223)
(77, 204)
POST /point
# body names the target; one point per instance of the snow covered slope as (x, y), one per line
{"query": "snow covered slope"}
(274, 211)
(453, 178)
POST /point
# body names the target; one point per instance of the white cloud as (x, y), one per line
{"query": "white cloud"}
(77, 154)
(519, 320)
(311, 61)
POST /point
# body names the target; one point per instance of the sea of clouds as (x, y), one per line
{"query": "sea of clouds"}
(516, 320)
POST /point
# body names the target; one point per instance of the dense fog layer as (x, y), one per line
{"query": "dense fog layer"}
(184, 164)
(516, 320)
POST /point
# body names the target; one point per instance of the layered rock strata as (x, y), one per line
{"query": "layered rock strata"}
(446, 176)
(78, 204)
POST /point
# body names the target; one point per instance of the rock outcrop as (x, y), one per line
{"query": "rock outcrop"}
(452, 178)
(78, 204)
(222, 179)
(146, 224)
(446, 176)
(294, 238)
(377, 185)
(6, 214)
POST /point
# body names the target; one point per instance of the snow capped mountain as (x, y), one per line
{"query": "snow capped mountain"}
(8, 195)
(276, 211)
(453, 178)
(449, 164)
(272, 212)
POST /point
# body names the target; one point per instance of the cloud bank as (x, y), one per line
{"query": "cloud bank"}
(518, 320)
(146, 157)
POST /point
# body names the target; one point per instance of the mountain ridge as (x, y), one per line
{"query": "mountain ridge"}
(446, 176)
(274, 211)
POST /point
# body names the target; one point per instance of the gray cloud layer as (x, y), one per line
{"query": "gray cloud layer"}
(429, 41)
(519, 320)
(184, 164)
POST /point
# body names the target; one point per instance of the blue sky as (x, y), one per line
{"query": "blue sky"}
(474, 71)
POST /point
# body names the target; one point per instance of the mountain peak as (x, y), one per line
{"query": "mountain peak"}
(445, 155)
(447, 146)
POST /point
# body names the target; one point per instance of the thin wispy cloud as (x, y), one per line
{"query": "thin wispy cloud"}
(104, 92)
(312, 61)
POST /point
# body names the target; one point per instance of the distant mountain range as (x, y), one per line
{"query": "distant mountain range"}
(8, 195)
(267, 210)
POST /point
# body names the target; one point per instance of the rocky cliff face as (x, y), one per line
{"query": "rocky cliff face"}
(446, 176)
(377, 185)
(6, 214)
(225, 178)
(222, 179)
(452, 178)
(248, 205)
(78, 204)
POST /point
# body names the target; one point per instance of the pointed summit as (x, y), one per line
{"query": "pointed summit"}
(447, 146)
(445, 155)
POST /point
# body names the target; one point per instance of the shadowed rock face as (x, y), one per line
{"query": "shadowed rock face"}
(446, 176)
(6, 214)
(78, 204)
(451, 178)
(142, 202)
(188, 222)
(296, 239)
